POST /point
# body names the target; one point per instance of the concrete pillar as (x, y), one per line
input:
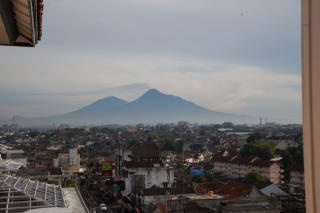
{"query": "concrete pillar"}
(310, 26)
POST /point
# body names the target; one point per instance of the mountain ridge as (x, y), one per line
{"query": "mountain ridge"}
(150, 108)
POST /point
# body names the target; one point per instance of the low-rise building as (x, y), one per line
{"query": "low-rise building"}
(18, 156)
(246, 198)
(141, 175)
(194, 203)
(297, 176)
(238, 167)
(158, 195)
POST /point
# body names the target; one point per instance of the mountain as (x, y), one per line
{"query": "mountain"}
(151, 108)
(102, 106)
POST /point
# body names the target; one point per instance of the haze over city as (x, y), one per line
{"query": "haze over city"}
(159, 106)
(239, 57)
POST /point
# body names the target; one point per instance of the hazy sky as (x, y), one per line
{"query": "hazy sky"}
(240, 56)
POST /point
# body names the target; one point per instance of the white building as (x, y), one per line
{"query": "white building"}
(18, 156)
(142, 168)
(145, 174)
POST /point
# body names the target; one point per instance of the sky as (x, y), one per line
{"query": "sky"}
(238, 56)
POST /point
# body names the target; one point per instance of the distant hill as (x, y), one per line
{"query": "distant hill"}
(151, 108)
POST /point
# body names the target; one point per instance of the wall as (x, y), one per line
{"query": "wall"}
(155, 199)
(239, 171)
(153, 176)
(275, 174)
(23, 161)
(297, 178)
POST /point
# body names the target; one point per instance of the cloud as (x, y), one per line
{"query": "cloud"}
(237, 56)
(216, 85)
(124, 90)
(246, 31)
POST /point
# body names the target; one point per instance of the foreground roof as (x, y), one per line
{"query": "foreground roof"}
(9, 165)
(20, 194)
(20, 22)
(50, 210)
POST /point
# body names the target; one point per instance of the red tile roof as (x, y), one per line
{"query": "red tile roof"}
(253, 161)
(220, 158)
(234, 190)
(246, 161)
(55, 171)
(262, 163)
(145, 150)
(162, 208)
(204, 188)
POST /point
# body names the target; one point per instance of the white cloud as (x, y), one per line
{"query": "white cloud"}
(216, 85)
(237, 56)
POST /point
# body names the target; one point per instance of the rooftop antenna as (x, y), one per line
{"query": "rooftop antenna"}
(260, 121)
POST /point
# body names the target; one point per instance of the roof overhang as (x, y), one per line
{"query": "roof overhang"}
(20, 22)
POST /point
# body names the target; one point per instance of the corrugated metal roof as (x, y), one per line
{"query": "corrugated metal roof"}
(271, 190)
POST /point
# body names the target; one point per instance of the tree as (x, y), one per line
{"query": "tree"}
(209, 177)
(152, 138)
(199, 179)
(259, 149)
(293, 155)
(255, 137)
(202, 132)
(132, 156)
(255, 176)
(227, 125)
(171, 145)
(180, 165)
(132, 142)
(33, 134)
(196, 147)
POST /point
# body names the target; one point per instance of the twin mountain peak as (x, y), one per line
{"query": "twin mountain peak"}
(150, 108)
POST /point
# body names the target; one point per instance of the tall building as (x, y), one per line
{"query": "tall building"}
(68, 162)
(73, 157)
